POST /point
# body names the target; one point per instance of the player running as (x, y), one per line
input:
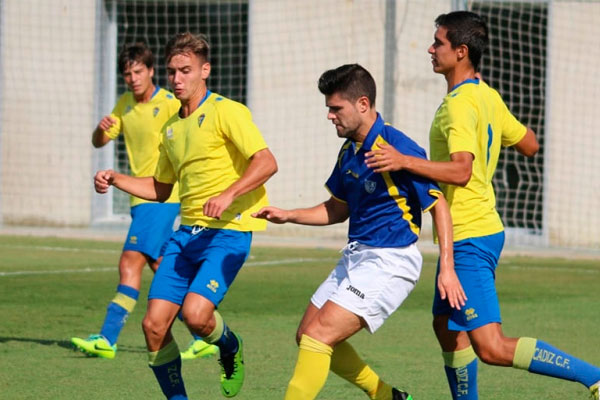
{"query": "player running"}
(221, 161)
(139, 114)
(469, 129)
(381, 264)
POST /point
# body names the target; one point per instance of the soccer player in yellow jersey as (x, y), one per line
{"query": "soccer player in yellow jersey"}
(139, 115)
(469, 129)
(220, 160)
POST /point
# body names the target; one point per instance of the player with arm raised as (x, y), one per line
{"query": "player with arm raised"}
(381, 264)
(469, 129)
(139, 115)
(220, 160)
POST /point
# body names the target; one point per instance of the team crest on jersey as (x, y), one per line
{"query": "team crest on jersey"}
(127, 109)
(201, 119)
(370, 186)
(155, 111)
(169, 133)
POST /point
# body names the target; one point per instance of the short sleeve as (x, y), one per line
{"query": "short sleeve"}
(164, 171)
(235, 122)
(116, 114)
(512, 130)
(460, 126)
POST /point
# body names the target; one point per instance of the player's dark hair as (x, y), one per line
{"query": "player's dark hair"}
(134, 53)
(468, 28)
(187, 42)
(351, 81)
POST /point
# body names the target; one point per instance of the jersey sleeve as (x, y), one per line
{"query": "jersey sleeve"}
(235, 122)
(460, 126)
(335, 184)
(116, 114)
(512, 130)
(164, 171)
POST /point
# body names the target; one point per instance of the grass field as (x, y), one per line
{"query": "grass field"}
(52, 289)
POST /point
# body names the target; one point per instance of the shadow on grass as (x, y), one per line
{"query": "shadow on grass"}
(66, 344)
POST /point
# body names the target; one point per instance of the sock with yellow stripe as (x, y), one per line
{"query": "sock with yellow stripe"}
(461, 372)
(166, 365)
(346, 363)
(541, 358)
(117, 312)
(311, 370)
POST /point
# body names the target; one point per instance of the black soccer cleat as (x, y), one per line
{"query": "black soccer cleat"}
(399, 395)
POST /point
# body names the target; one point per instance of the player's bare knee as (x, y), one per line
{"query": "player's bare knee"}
(152, 329)
(198, 323)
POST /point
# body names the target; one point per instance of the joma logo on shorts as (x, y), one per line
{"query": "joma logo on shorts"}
(355, 291)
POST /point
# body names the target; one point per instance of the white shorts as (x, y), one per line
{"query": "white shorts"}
(371, 282)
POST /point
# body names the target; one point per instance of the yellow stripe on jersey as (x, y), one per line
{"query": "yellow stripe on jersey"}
(141, 125)
(206, 153)
(473, 118)
(395, 194)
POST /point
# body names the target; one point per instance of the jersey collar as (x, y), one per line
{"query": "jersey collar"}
(475, 81)
(375, 130)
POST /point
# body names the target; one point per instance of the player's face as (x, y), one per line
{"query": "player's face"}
(443, 56)
(138, 78)
(187, 75)
(344, 114)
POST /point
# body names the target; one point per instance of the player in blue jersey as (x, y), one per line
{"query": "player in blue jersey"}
(380, 264)
(139, 115)
(215, 153)
(469, 129)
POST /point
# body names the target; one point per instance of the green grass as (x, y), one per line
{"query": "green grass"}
(52, 289)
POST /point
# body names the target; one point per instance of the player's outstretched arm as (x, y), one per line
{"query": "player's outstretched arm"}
(528, 146)
(262, 166)
(447, 280)
(99, 137)
(146, 188)
(329, 212)
(457, 171)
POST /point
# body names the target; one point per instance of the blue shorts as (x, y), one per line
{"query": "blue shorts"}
(200, 260)
(151, 227)
(475, 262)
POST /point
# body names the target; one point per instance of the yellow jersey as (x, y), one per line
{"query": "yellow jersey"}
(473, 118)
(206, 153)
(141, 125)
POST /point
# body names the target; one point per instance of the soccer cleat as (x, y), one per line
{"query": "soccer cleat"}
(232, 371)
(95, 346)
(595, 391)
(199, 349)
(399, 395)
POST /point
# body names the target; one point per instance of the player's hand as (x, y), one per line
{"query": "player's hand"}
(103, 180)
(386, 158)
(272, 214)
(215, 206)
(451, 289)
(106, 122)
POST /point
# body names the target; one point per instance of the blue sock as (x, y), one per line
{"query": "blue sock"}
(227, 343)
(541, 358)
(166, 365)
(461, 371)
(118, 311)
(222, 337)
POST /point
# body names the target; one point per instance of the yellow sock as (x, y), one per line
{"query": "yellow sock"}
(346, 363)
(311, 370)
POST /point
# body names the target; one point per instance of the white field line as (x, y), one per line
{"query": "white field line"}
(112, 269)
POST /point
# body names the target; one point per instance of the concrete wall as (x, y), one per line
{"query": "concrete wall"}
(48, 50)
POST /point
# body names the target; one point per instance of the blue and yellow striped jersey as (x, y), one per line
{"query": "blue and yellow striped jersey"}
(385, 208)
(206, 153)
(473, 118)
(141, 125)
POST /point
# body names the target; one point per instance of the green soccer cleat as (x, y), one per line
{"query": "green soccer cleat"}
(95, 346)
(400, 395)
(232, 371)
(199, 349)
(595, 391)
